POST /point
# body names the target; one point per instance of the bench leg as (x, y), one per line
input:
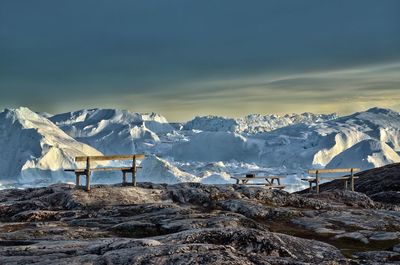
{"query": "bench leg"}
(134, 171)
(88, 172)
(134, 178)
(345, 184)
(269, 183)
(310, 186)
(124, 180)
(88, 181)
(78, 179)
(352, 180)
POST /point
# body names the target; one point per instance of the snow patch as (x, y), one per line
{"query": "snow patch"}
(158, 170)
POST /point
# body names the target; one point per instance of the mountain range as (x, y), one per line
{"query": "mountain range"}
(37, 147)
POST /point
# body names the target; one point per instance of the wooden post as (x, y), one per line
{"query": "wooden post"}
(352, 179)
(78, 179)
(124, 178)
(134, 171)
(345, 184)
(310, 182)
(317, 181)
(88, 174)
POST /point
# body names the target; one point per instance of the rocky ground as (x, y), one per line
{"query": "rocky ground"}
(191, 223)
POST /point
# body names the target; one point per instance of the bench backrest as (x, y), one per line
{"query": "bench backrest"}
(333, 170)
(109, 158)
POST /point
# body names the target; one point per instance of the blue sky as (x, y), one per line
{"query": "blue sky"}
(185, 58)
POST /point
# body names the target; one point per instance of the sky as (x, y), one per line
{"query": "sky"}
(185, 58)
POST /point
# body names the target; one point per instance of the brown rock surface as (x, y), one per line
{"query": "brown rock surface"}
(191, 223)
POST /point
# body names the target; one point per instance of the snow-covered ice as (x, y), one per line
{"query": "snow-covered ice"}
(211, 149)
(33, 149)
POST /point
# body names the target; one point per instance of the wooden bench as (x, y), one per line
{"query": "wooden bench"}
(317, 179)
(88, 169)
(269, 180)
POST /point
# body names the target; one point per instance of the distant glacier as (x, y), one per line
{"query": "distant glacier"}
(37, 147)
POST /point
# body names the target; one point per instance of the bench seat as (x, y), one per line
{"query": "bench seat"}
(259, 177)
(318, 179)
(327, 178)
(271, 186)
(87, 171)
(82, 170)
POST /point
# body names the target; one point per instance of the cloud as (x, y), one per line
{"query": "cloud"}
(185, 58)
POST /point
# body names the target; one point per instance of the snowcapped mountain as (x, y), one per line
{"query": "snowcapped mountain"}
(114, 131)
(206, 149)
(365, 154)
(318, 144)
(33, 148)
(216, 146)
(311, 141)
(212, 124)
(254, 123)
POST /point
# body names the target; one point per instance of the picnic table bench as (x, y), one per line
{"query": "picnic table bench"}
(269, 180)
(88, 168)
(317, 179)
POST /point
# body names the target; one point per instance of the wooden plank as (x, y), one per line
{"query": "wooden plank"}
(271, 177)
(276, 187)
(250, 184)
(309, 180)
(108, 158)
(263, 184)
(333, 170)
(81, 170)
(327, 178)
(259, 177)
(111, 168)
(333, 178)
(74, 170)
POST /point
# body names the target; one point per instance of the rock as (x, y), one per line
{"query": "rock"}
(36, 215)
(256, 210)
(324, 230)
(311, 223)
(378, 256)
(391, 197)
(349, 198)
(396, 248)
(383, 236)
(136, 229)
(188, 223)
(248, 241)
(353, 236)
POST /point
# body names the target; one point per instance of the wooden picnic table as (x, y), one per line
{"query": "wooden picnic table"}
(269, 181)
